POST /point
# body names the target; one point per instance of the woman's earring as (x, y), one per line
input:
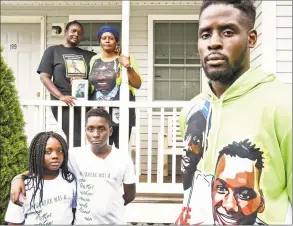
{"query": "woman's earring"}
(117, 49)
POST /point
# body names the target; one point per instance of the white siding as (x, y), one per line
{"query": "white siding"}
(284, 41)
(283, 31)
(256, 52)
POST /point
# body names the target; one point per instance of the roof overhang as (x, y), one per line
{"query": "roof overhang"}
(95, 3)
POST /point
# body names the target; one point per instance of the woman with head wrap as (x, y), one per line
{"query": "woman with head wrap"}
(105, 76)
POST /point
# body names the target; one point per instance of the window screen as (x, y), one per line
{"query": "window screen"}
(176, 62)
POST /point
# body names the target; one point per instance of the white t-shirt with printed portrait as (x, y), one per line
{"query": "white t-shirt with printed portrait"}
(59, 197)
(100, 185)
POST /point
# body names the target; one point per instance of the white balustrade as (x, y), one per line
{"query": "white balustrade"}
(154, 137)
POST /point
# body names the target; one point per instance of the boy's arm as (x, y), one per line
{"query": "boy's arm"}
(14, 214)
(17, 188)
(129, 193)
(129, 182)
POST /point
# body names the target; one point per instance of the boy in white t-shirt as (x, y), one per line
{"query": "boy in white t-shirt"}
(50, 187)
(102, 173)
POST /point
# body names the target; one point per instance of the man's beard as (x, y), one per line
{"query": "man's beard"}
(227, 76)
(222, 76)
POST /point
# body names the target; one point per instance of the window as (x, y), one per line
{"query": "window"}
(90, 41)
(176, 62)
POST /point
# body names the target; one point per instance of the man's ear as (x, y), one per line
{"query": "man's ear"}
(110, 131)
(252, 38)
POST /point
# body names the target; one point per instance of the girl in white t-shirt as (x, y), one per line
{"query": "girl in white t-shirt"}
(50, 187)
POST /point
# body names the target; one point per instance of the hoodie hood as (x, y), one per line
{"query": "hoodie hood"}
(251, 79)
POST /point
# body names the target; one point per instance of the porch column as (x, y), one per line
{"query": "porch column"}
(124, 90)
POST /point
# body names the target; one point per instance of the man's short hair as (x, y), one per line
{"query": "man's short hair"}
(244, 149)
(71, 23)
(98, 112)
(246, 8)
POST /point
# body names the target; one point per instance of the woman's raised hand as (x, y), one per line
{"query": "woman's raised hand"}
(124, 60)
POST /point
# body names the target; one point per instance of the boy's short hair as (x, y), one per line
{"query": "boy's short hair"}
(98, 112)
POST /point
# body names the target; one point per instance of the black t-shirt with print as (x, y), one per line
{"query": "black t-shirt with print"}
(63, 63)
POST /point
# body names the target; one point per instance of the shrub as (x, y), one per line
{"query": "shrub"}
(13, 143)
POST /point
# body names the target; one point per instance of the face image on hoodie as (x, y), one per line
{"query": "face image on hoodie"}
(236, 194)
(195, 140)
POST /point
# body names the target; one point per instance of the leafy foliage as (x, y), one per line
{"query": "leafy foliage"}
(13, 141)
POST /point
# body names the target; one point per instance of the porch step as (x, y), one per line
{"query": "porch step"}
(152, 213)
(158, 198)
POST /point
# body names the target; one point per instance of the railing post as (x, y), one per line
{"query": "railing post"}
(71, 126)
(124, 90)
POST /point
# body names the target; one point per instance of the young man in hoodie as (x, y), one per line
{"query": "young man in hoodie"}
(242, 105)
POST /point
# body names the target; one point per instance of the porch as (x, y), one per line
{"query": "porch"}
(169, 65)
(155, 142)
(158, 179)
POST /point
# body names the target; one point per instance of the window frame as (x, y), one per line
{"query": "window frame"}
(151, 22)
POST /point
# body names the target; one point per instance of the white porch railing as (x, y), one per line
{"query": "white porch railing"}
(152, 120)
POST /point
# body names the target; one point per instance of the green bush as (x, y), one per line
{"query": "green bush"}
(13, 146)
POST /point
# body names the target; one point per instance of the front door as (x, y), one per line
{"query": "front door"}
(21, 44)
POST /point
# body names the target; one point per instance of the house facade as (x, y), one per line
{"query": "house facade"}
(162, 36)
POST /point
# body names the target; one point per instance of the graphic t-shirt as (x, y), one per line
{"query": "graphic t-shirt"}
(237, 161)
(105, 79)
(59, 197)
(100, 185)
(64, 63)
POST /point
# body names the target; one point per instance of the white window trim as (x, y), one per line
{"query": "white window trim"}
(151, 19)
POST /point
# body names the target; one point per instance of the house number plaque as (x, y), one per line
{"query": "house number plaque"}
(13, 46)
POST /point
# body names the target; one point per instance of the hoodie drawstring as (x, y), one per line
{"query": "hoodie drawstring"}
(218, 119)
(206, 133)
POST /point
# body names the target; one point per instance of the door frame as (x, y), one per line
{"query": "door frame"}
(33, 20)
